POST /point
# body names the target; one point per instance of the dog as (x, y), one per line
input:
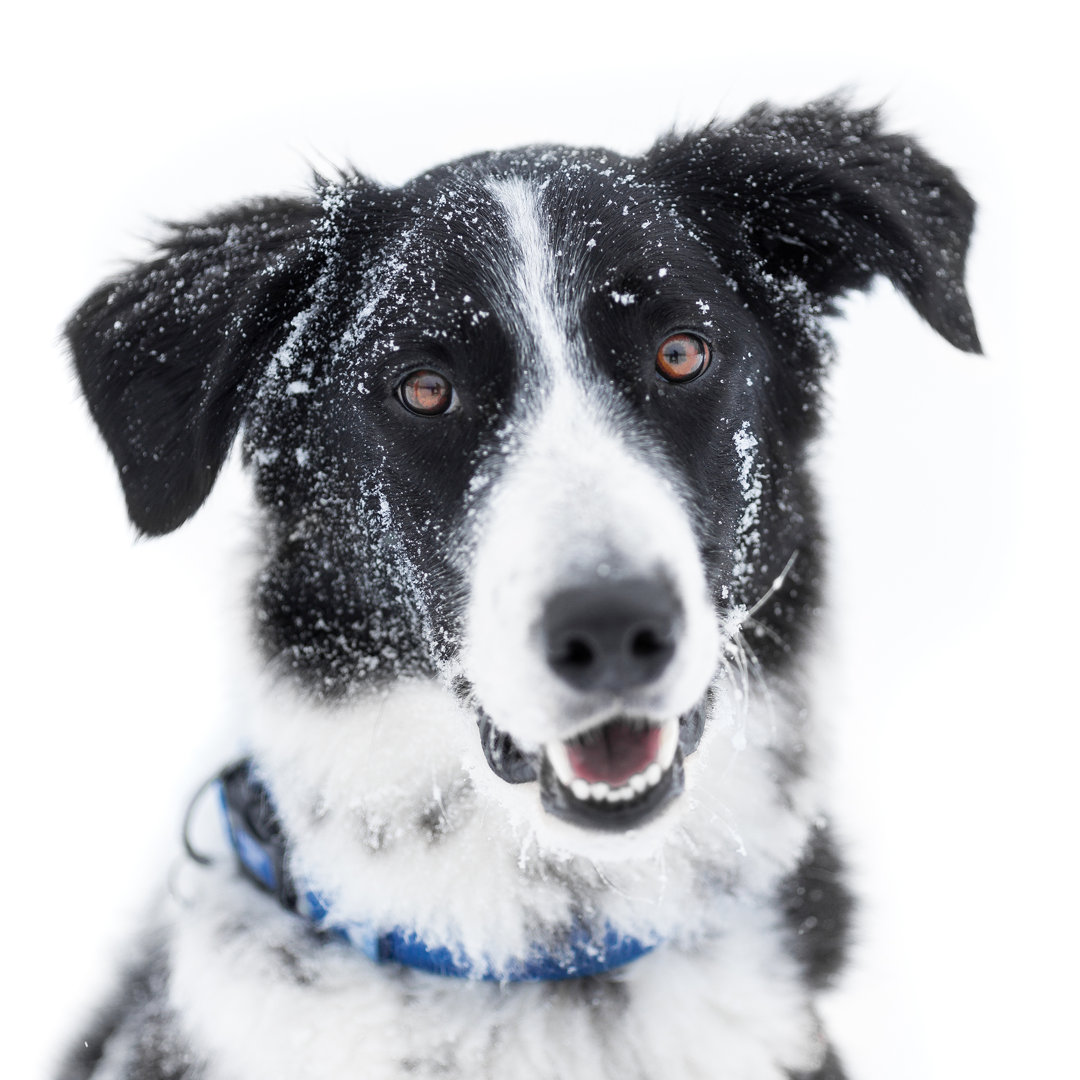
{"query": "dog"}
(531, 784)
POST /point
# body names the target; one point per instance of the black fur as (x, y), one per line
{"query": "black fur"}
(170, 355)
(831, 1069)
(136, 1028)
(818, 907)
(822, 195)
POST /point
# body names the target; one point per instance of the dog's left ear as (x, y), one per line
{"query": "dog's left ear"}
(822, 195)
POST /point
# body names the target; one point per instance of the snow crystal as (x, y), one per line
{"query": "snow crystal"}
(750, 483)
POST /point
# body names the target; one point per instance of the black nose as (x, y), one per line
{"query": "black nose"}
(614, 636)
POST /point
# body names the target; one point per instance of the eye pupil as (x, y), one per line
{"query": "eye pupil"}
(682, 357)
(426, 392)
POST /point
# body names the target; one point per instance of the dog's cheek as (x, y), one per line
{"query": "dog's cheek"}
(332, 617)
(356, 587)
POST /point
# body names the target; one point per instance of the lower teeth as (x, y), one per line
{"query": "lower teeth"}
(601, 792)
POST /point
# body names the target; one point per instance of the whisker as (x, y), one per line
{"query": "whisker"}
(767, 630)
(778, 581)
(740, 662)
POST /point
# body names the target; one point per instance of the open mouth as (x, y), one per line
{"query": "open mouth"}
(613, 776)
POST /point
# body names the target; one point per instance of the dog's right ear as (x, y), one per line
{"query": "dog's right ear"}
(170, 354)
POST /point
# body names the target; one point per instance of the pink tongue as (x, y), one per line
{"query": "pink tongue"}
(614, 753)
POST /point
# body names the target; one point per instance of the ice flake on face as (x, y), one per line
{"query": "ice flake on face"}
(748, 538)
(379, 281)
(286, 353)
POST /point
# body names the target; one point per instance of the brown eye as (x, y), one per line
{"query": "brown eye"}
(682, 357)
(426, 392)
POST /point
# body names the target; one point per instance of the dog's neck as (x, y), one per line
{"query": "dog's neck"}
(256, 837)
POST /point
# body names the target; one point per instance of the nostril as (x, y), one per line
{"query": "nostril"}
(574, 652)
(647, 642)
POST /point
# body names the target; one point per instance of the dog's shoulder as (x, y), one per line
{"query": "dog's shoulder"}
(135, 1034)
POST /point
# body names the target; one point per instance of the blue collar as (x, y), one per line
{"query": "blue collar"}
(256, 837)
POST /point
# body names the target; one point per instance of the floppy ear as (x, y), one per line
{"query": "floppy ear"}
(821, 194)
(171, 354)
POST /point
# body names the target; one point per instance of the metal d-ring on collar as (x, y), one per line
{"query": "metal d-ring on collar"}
(257, 839)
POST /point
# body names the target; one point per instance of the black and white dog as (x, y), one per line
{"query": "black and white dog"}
(532, 788)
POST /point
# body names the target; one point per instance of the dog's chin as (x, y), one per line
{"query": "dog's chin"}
(620, 774)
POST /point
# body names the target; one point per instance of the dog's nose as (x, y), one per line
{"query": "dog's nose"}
(614, 636)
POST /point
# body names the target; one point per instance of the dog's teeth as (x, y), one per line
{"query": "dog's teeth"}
(560, 762)
(602, 792)
(669, 742)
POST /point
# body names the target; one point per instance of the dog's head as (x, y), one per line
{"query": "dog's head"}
(532, 425)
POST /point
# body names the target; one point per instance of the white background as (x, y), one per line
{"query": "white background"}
(950, 480)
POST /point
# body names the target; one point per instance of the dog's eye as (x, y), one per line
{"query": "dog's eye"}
(682, 357)
(426, 392)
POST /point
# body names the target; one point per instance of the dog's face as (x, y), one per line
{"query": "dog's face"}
(533, 425)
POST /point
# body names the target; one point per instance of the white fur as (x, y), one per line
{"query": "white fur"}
(539, 308)
(731, 1005)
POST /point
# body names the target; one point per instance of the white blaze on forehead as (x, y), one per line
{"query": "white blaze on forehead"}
(537, 306)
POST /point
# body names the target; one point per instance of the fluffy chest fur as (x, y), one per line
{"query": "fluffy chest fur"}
(262, 998)
(540, 566)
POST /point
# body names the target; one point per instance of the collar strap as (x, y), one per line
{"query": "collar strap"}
(257, 839)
